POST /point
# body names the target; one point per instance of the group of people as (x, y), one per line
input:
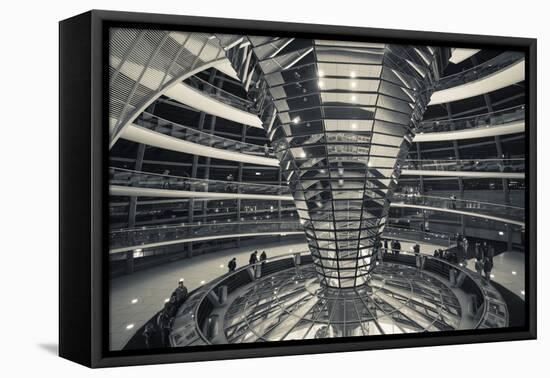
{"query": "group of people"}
(160, 328)
(395, 247)
(254, 258)
(232, 264)
(484, 254)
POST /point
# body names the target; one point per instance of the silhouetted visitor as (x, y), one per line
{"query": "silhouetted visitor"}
(164, 324)
(479, 266)
(484, 250)
(232, 264)
(253, 258)
(149, 334)
(385, 245)
(487, 267)
(263, 258)
(180, 293)
(266, 150)
(453, 201)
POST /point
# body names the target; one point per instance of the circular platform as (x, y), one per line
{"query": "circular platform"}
(283, 300)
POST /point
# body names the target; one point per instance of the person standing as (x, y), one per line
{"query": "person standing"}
(484, 250)
(465, 245)
(253, 258)
(385, 245)
(180, 293)
(232, 265)
(149, 334)
(397, 247)
(477, 250)
(164, 324)
(417, 256)
(263, 258)
(479, 266)
(487, 267)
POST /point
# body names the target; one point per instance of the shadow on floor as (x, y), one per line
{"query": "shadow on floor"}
(51, 348)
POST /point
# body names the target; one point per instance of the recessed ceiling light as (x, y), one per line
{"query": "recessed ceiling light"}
(129, 326)
(514, 273)
(135, 300)
(321, 73)
(352, 74)
(523, 292)
(353, 84)
(221, 266)
(354, 98)
(492, 276)
(203, 282)
(258, 173)
(501, 233)
(321, 84)
(167, 300)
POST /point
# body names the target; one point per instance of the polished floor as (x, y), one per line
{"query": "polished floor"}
(509, 271)
(137, 297)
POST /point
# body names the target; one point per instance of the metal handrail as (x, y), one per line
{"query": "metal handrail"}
(209, 286)
(195, 183)
(484, 69)
(488, 119)
(188, 132)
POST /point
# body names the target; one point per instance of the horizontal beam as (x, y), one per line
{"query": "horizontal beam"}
(203, 238)
(473, 133)
(421, 172)
(507, 76)
(468, 213)
(142, 135)
(120, 190)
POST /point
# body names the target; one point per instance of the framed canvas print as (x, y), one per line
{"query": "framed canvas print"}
(233, 188)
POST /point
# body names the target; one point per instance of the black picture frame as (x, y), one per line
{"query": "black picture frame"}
(83, 196)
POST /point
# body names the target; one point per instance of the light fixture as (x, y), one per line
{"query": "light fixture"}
(514, 273)
(353, 98)
(296, 120)
(167, 300)
(258, 173)
(135, 300)
(221, 266)
(321, 73)
(353, 84)
(353, 125)
(492, 276)
(129, 326)
(501, 233)
(203, 282)
(321, 84)
(523, 292)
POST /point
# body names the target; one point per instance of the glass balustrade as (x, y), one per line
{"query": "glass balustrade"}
(126, 177)
(219, 94)
(482, 70)
(485, 208)
(190, 134)
(466, 165)
(155, 234)
(497, 118)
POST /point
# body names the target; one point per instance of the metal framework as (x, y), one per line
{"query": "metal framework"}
(340, 116)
